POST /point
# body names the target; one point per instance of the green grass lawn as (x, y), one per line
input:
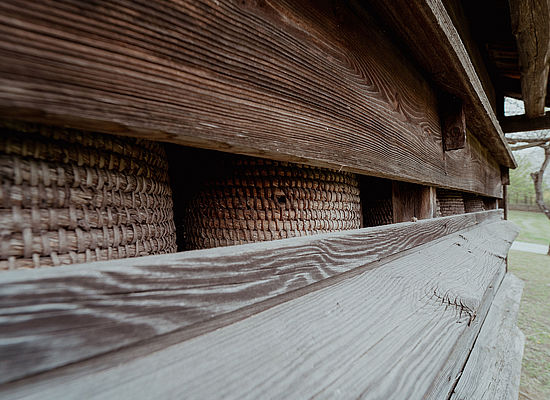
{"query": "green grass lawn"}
(534, 321)
(534, 312)
(535, 227)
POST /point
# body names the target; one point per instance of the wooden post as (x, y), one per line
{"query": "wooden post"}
(505, 175)
(505, 201)
(412, 202)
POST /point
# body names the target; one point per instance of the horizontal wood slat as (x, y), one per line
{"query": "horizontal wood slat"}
(493, 368)
(520, 123)
(305, 81)
(52, 317)
(403, 330)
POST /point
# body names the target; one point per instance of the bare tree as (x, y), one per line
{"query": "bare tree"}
(535, 139)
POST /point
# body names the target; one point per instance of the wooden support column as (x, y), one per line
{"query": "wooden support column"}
(412, 202)
(505, 201)
(505, 178)
(532, 30)
(505, 175)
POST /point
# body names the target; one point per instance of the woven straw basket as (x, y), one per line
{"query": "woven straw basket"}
(449, 203)
(68, 197)
(252, 200)
(473, 203)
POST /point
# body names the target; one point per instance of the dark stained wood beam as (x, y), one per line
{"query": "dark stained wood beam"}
(300, 81)
(531, 26)
(522, 123)
(52, 317)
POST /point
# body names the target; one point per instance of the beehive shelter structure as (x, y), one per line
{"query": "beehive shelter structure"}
(285, 199)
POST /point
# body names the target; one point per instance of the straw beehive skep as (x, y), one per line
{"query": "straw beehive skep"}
(252, 200)
(70, 197)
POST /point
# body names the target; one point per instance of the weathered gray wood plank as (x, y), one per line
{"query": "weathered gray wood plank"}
(52, 317)
(393, 332)
(494, 366)
(298, 80)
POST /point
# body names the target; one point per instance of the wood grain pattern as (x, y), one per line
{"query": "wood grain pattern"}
(436, 44)
(402, 330)
(412, 201)
(305, 81)
(493, 368)
(454, 125)
(532, 30)
(54, 317)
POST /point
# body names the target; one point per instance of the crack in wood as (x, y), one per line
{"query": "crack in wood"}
(457, 304)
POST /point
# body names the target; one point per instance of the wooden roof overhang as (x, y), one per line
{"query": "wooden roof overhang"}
(437, 36)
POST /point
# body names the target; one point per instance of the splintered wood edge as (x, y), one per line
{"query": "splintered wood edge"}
(494, 365)
(381, 301)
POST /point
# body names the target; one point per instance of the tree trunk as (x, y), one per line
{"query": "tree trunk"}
(538, 181)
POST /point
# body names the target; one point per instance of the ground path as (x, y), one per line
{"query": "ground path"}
(530, 247)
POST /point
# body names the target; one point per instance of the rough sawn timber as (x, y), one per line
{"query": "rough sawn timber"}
(304, 81)
(412, 201)
(493, 368)
(403, 330)
(53, 317)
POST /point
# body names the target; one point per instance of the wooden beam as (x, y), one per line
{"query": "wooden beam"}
(521, 123)
(505, 174)
(412, 202)
(494, 366)
(300, 81)
(453, 121)
(427, 29)
(531, 26)
(403, 330)
(53, 317)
